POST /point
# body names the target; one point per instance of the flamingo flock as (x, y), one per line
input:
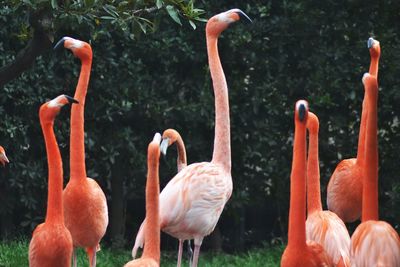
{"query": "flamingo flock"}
(190, 205)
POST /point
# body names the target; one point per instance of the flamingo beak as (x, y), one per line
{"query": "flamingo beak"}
(371, 42)
(243, 15)
(60, 43)
(302, 112)
(4, 159)
(164, 146)
(71, 100)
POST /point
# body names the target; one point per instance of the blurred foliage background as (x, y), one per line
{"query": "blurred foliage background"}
(150, 73)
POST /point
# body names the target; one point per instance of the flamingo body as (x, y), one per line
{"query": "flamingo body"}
(327, 229)
(142, 262)
(313, 255)
(87, 225)
(380, 236)
(51, 245)
(344, 192)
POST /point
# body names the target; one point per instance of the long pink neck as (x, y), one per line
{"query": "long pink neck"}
(55, 212)
(297, 211)
(181, 161)
(370, 182)
(222, 139)
(361, 136)
(77, 139)
(374, 65)
(313, 174)
(152, 229)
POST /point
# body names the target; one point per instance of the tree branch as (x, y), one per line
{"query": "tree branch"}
(35, 47)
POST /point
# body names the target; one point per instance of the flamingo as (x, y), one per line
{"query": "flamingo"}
(298, 252)
(3, 156)
(192, 202)
(51, 243)
(85, 205)
(344, 192)
(151, 251)
(323, 226)
(374, 242)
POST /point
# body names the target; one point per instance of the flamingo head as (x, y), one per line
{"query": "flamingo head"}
(312, 122)
(80, 49)
(221, 21)
(301, 111)
(169, 137)
(153, 150)
(3, 156)
(370, 83)
(49, 110)
(374, 47)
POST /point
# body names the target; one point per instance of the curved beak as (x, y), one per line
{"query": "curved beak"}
(4, 159)
(71, 100)
(243, 15)
(60, 43)
(371, 42)
(164, 146)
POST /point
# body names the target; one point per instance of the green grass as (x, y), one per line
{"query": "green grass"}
(15, 254)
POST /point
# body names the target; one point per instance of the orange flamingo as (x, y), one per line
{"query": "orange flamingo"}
(85, 205)
(51, 243)
(151, 251)
(374, 242)
(192, 202)
(3, 156)
(299, 252)
(322, 226)
(344, 192)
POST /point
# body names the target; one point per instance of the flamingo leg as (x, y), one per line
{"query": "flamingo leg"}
(74, 263)
(180, 249)
(197, 245)
(91, 252)
(190, 253)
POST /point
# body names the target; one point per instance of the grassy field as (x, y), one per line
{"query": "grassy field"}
(15, 254)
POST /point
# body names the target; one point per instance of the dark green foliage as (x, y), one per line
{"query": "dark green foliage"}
(315, 50)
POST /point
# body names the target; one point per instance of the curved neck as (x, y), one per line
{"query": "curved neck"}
(370, 181)
(77, 139)
(181, 161)
(222, 139)
(152, 229)
(55, 212)
(313, 175)
(374, 65)
(297, 211)
(361, 134)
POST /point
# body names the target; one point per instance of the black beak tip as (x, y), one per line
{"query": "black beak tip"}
(72, 100)
(302, 112)
(243, 15)
(59, 43)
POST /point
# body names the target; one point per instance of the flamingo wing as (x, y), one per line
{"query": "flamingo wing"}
(328, 230)
(375, 244)
(191, 203)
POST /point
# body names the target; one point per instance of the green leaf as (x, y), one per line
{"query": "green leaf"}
(192, 24)
(173, 14)
(159, 4)
(54, 4)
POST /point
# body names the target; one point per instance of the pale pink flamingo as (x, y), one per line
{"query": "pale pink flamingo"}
(192, 202)
(51, 243)
(298, 251)
(3, 156)
(151, 251)
(85, 205)
(344, 192)
(374, 242)
(323, 226)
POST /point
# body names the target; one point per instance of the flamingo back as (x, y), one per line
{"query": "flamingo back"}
(192, 202)
(328, 230)
(313, 255)
(373, 244)
(142, 262)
